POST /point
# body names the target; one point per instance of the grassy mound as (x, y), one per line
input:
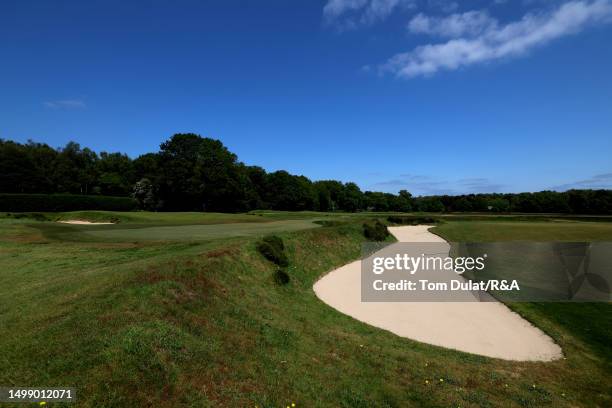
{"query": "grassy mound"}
(205, 324)
(273, 249)
(375, 231)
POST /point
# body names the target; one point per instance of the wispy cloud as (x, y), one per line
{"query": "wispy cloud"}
(416, 187)
(470, 23)
(65, 104)
(479, 185)
(349, 14)
(426, 185)
(599, 181)
(496, 41)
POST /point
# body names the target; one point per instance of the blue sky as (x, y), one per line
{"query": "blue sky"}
(433, 96)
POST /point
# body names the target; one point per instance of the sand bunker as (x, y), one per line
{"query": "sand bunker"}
(79, 222)
(486, 328)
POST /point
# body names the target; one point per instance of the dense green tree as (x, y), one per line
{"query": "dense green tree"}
(430, 204)
(191, 172)
(330, 194)
(404, 201)
(498, 204)
(256, 186)
(75, 169)
(17, 171)
(115, 174)
(288, 192)
(200, 174)
(462, 204)
(351, 198)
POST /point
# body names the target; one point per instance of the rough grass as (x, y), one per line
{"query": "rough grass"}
(205, 324)
(144, 233)
(143, 217)
(492, 231)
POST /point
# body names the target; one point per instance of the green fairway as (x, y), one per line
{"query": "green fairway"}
(194, 322)
(192, 232)
(143, 217)
(490, 231)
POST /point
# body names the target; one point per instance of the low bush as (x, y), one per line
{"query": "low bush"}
(64, 202)
(33, 216)
(273, 249)
(281, 277)
(376, 231)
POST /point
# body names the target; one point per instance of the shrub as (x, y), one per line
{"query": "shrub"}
(375, 232)
(64, 202)
(281, 277)
(273, 249)
(34, 216)
(145, 195)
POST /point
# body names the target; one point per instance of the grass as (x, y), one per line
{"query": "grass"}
(204, 323)
(589, 322)
(145, 232)
(493, 231)
(141, 217)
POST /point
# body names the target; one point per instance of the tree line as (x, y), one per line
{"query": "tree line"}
(193, 173)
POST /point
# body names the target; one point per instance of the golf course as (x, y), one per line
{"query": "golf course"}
(182, 309)
(306, 204)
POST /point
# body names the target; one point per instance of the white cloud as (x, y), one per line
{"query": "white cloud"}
(336, 8)
(66, 104)
(352, 13)
(497, 41)
(470, 23)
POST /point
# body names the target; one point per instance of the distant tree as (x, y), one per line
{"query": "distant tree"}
(498, 204)
(75, 169)
(404, 201)
(116, 174)
(331, 193)
(289, 192)
(191, 172)
(430, 204)
(147, 166)
(200, 174)
(351, 198)
(145, 195)
(17, 170)
(257, 178)
(42, 159)
(462, 204)
(324, 197)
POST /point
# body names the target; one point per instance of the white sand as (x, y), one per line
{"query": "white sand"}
(79, 222)
(485, 328)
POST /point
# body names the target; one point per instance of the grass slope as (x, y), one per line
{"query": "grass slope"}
(205, 324)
